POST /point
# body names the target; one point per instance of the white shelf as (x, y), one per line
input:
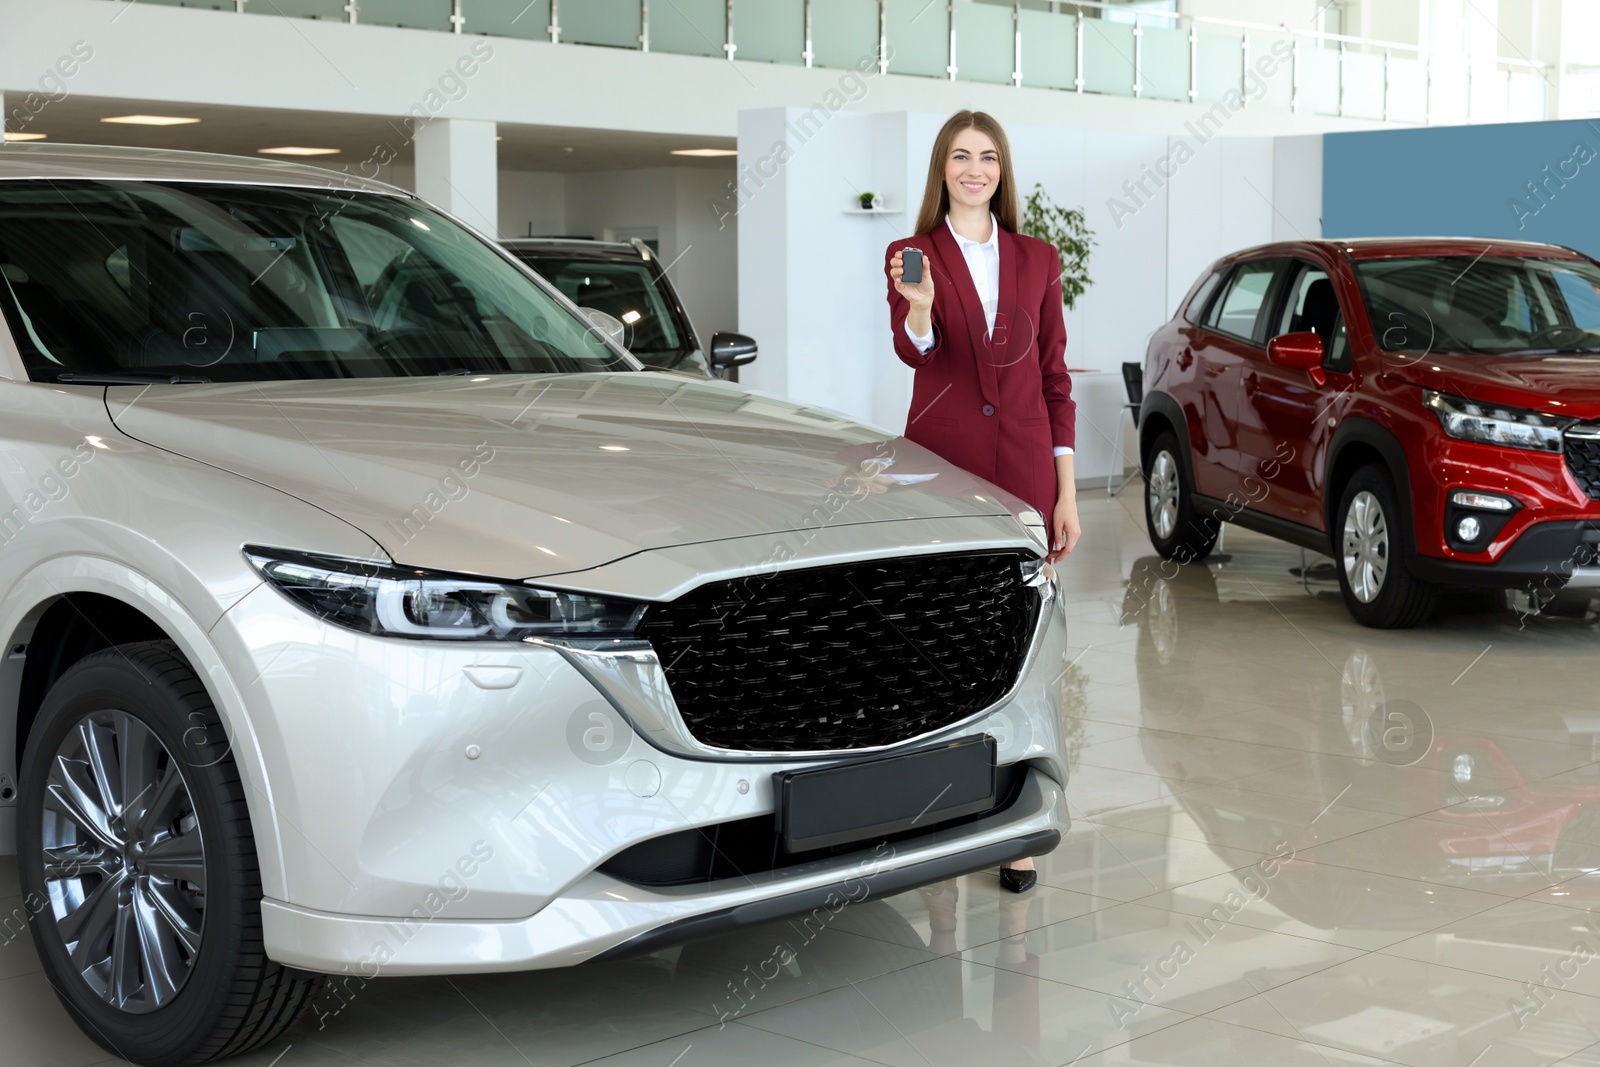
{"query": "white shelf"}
(872, 211)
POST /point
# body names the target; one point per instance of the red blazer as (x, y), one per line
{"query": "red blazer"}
(995, 405)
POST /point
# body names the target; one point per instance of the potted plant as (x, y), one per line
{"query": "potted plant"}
(1064, 228)
(869, 201)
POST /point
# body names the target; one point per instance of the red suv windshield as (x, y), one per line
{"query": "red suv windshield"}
(1491, 305)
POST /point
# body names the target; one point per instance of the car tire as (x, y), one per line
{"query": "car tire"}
(1370, 536)
(147, 916)
(1176, 530)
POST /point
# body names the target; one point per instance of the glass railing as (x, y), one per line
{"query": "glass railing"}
(1084, 47)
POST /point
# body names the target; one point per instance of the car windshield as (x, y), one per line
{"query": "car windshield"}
(1484, 305)
(247, 283)
(627, 291)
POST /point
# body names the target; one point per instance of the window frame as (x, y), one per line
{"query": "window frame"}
(1194, 310)
(1293, 269)
(1220, 297)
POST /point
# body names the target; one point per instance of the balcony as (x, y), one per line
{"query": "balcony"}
(1098, 48)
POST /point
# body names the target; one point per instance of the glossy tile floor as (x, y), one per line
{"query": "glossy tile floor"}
(1294, 842)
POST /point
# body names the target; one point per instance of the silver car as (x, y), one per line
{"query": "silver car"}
(368, 612)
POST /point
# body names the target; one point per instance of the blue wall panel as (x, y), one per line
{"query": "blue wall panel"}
(1532, 181)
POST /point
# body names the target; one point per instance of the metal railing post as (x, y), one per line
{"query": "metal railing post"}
(1341, 78)
(883, 36)
(1016, 44)
(1078, 71)
(950, 14)
(1386, 85)
(1294, 75)
(555, 21)
(644, 25)
(351, 10)
(729, 47)
(1138, 58)
(806, 55)
(1244, 68)
(1194, 63)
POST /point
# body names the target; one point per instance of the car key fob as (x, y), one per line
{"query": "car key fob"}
(911, 266)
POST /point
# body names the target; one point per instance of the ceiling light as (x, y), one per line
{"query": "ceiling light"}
(23, 137)
(630, 317)
(150, 120)
(615, 448)
(297, 150)
(705, 151)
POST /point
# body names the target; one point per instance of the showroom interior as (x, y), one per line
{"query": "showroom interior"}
(1302, 736)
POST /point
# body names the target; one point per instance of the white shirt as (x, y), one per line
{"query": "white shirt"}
(983, 263)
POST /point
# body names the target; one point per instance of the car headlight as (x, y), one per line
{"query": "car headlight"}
(1490, 424)
(390, 601)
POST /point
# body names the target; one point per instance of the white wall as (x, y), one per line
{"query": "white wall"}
(532, 201)
(706, 273)
(1296, 187)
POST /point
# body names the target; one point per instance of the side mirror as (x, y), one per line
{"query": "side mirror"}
(606, 323)
(731, 350)
(1298, 351)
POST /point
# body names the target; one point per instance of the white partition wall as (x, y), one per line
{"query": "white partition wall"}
(811, 284)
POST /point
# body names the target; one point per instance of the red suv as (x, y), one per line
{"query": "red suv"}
(1424, 410)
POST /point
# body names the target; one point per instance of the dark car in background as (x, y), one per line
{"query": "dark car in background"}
(627, 282)
(1424, 410)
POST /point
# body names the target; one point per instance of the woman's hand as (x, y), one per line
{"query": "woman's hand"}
(1064, 527)
(919, 296)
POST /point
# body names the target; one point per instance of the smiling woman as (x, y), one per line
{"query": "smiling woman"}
(243, 283)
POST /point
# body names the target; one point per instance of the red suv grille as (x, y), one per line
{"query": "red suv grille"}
(1583, 457)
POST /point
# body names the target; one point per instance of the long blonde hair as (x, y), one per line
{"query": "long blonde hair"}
(936, 196)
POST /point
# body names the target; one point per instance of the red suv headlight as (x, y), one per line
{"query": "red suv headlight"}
(1492, 424)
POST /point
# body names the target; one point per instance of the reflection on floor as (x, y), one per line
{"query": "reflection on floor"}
(1294, 842)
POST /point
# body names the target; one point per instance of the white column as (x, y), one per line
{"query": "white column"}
(457, 168)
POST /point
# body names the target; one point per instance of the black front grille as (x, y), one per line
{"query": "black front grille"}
(845, 657)
(1583, 457)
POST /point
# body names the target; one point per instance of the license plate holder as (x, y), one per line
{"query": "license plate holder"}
(873, 798)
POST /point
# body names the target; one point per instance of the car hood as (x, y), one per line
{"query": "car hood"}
(530, 475)
(1559, 385)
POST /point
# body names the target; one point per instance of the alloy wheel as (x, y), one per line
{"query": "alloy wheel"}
(1163, 494)
(1366, 547)
(124, 861)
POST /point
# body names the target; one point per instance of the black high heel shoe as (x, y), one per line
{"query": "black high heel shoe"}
(1018, 881)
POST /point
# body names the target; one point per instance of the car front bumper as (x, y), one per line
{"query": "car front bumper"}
(1545, 557)
(445, 807)
(602, 917)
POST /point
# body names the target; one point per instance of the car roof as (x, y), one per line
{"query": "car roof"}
(1393, 247)
(37, 159)
(574, 248)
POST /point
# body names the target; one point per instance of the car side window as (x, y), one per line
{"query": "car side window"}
(1239, 309)
(1311, 305)
(1196, 307)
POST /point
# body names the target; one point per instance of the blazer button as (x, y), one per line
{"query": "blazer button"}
(988, 409)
